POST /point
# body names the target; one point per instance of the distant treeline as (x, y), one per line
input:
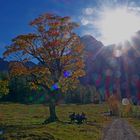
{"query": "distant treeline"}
(21, 92)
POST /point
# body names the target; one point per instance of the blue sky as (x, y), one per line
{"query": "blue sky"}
(15, 15)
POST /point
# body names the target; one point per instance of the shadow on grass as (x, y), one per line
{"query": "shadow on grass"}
(17, 132)
(91, 123)
(36, 131)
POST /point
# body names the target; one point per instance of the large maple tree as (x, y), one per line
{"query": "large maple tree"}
(58, 52)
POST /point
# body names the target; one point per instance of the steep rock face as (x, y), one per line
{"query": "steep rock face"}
(92, 50)
(113, 68)
(91, 44)
(109, 68)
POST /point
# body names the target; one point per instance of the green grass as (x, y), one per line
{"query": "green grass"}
(134, 120)
(24, 122)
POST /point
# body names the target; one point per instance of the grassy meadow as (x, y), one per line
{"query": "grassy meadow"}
(24, 122)
(135, 121)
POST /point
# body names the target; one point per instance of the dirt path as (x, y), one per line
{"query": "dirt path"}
(119, 129)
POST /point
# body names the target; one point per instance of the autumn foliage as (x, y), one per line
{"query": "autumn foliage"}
(56, 49)
(113, 104)
(4, 84)
(3, 87)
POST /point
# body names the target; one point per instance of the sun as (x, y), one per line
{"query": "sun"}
(118, 25)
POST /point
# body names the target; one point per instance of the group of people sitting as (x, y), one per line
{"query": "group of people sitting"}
(78, 118)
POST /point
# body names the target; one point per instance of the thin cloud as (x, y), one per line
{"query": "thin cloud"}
(88, 11)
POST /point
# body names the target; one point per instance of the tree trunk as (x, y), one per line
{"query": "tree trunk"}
(53, 117)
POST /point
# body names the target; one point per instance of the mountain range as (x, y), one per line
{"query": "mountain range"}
(113, 68)
(91, 46)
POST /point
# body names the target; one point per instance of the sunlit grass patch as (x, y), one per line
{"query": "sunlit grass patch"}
(134, 119)
(20, 121)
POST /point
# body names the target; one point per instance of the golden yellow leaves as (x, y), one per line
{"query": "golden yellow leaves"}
(113, 103)
(55, 47)
(4, 87)
(68, 83)
(55, 24)
(21, 43)
(29, 36)
(18, 69)
(80, 64)
(128, 108)
(78, 73)
(33, 85)
(43, 19)
(40, 70)
(79, 48)
(53, 32)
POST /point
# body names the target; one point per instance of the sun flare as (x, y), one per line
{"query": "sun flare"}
(118, 25)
